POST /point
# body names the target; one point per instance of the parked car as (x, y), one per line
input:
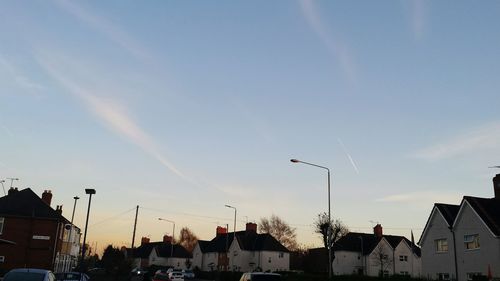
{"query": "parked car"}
(260, 276)
(29, 274)
(162, 271)
(138, 271)
(188, 274)
(72, 276)
(176, 276)
(161, 277)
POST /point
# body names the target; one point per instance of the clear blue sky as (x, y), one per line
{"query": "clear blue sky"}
(184, 106)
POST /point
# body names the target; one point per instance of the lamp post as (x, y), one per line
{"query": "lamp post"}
(90, 192)
(70, 241)
(329, 214)
(234, 232)
(362, 256)
(173, 237)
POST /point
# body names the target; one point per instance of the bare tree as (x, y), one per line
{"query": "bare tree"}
(280, 230)
(337, 229)
(188, 239)
(382, 259)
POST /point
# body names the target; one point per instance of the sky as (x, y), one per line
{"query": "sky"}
(182, 107)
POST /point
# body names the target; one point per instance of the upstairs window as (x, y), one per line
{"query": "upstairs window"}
(441, 245)
(471, 242)
(443, 276)
(280, 255)
(403, 258)
(1, 225)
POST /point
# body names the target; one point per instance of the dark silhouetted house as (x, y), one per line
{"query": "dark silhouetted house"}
(376, 254)
(462, 241)
(248, 252)
(34, 234)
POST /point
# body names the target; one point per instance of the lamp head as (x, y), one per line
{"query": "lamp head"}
(76, 197)
(294, 161)
(89, 191)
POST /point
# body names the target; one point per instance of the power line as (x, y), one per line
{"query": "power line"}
(186, 214)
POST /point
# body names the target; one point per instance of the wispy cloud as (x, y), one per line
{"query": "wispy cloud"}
(21, 80)
(348, 156)
(104, 26)
(418, 18)
(474, 140)
(422, 198)
(338, 48)
(112, 113)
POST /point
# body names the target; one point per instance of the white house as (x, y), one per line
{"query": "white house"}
(376, 254)
(250, 251)
(160, 253)
(461, 241)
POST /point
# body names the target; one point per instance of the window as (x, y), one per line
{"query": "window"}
(443, 276)
(470, 275)
(441, 245)
(471, 241)
(280, 255)
(404, 273)
(2, 259)
(1, 224)
(403, 258)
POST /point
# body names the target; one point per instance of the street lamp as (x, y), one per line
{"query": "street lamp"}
(234, 231)
(90, 192)
(329, 214)
(70, 241)
(173, 238)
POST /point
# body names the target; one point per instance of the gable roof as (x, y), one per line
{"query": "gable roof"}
(162, 249)
(448, 212)
(25, 203)
(353, 240)
(165, 250)
(247, 240)
(488, 210)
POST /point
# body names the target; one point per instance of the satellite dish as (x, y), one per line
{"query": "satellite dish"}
(493, 167)
(67, 226)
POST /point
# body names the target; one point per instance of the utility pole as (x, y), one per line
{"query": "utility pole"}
(135, 227)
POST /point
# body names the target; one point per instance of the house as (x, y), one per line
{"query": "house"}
(462, 241)
(241, 251)
(162, 253)
(376, 254)
(36, 235)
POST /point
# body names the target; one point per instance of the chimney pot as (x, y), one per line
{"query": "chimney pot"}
(47, 197)
(144, 240)
(251, 227)
(220, 230)
(167, 239)
(377, 230)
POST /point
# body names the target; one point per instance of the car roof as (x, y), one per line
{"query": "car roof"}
(34, 270)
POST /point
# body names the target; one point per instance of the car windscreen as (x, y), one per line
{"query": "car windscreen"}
(24, 276)
(265, 277)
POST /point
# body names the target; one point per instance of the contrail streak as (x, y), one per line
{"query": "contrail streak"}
(348, 156)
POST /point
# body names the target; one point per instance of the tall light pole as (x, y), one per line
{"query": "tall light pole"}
(329, 214)
(234, 232)
(173, 238)
(70, 241)
(90, 192)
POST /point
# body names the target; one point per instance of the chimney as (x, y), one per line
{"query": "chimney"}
(167, 239)
(12, 191)
(47, 197)
(220, 230)
(59, 209)
(496, 186)
(144, 240)
(377, 230)
(251, 227)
